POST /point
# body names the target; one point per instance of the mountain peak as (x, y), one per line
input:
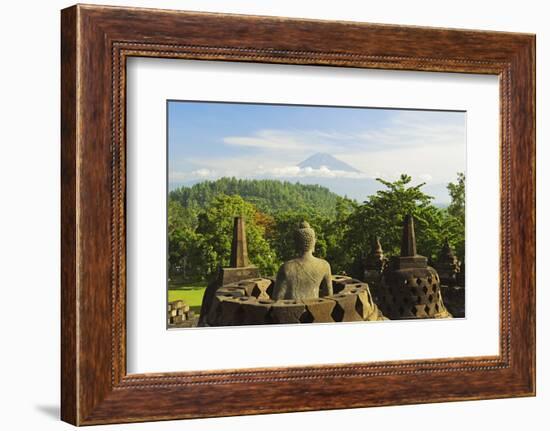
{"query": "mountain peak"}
(317, 160)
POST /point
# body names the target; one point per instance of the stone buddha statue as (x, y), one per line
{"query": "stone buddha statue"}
(306, 276)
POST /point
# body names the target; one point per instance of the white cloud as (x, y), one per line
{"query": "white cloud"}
(263, 172)
(425, 145)
(322, 172)
(176, 176)
(278, 140)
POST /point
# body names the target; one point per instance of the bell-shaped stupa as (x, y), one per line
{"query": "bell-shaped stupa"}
(375, 262)
(410, 289)
(447, 265)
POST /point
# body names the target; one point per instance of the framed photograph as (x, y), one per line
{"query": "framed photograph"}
(264, 214)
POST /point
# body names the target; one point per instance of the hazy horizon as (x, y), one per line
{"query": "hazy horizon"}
(210, 140)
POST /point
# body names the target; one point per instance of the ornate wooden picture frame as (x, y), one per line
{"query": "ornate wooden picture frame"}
(96, 41)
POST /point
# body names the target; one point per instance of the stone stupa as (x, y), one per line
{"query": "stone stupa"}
(303, 292)
(410, 289)
(447, 265)
(239, 267)
(375, 263)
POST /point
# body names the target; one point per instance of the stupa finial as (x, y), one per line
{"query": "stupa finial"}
(377, 247)
(408, 240)
(239, 249)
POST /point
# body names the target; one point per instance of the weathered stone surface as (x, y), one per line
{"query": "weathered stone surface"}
(320, 310)
(240, 269)
(344, 309)
(409, 287)
(342, 282)
(231, 311)
(214, 316)
(454, 299)
(256, 311)
(447, 265)
(306, 276)
(365, 305)
(375, 263)
(226, 276)
(286, 311)
(179, 314)
(239, 247)
(233, 290)
(257, 287)
(176, 319)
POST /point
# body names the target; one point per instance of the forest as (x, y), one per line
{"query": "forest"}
(200, 220)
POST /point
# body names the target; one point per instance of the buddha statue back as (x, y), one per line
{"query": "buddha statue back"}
(306, 276)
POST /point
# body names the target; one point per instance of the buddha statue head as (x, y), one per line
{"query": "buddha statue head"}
(304, 238)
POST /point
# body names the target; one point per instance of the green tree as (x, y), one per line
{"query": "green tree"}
(269, 196)
(282, 237)
(382, 215)
(182, 239)
(215, 231)
(455, 217)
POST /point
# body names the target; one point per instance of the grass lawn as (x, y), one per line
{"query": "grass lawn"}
(191, 295)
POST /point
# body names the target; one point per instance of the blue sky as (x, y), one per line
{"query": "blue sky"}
(210, 140)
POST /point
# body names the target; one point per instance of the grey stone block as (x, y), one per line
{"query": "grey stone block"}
(320, 309)
(286, 311)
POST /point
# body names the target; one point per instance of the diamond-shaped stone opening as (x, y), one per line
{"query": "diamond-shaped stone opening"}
(437, 307)
(256, 292)
(306, 317)
(431, 298)
(427, 309)
(429, 279)
(338, 313)
(413, 311)
(269, 290)
(418, 281)
(425, 289)
(359, 307)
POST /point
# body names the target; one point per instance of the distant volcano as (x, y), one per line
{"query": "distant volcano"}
(330, 162)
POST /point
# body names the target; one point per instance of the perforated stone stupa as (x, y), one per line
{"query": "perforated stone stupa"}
(447, 265)
(409, 287)
(304, 292)
(239, 269)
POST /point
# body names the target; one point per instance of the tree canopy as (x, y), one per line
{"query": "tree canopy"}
(200, 222)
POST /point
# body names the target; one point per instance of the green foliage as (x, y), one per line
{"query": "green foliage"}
(214, 233)
(269, 196)
(456, 215)
(200, 223)
(382, 215)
